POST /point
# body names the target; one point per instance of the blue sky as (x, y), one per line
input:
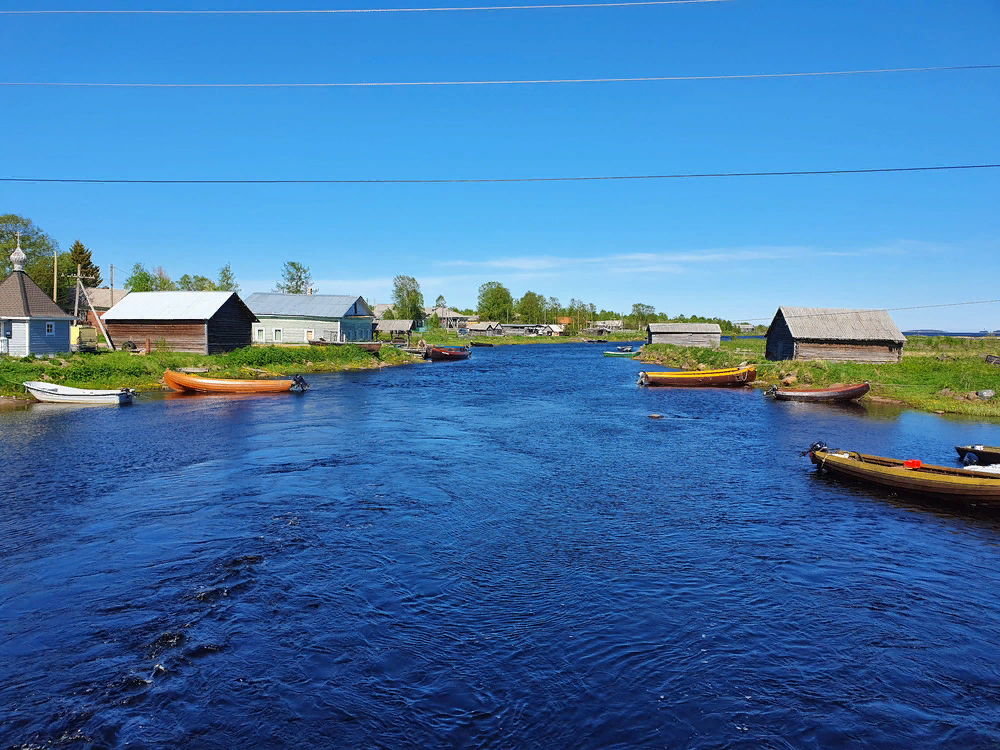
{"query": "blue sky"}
(734, 247)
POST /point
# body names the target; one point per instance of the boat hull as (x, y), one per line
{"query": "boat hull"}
(62, 394)
(821, 395)
(985, 454)
(178, 381)
(939, 482)
(730, 377)
(442, 354)
(627, 355)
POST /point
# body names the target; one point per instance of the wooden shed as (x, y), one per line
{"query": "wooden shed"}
(834, 334)
(394, 328)
(704, 335)
(198, 322)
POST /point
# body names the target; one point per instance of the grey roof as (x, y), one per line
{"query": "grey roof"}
(100, 297)
(836, 324)
(380, 310)
(684, 328)
(169, 306)
(443, 313)
(307, 305)
(486, 325)
(394, 326)
(20, 297)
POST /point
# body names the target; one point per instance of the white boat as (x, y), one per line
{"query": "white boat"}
(63, 394)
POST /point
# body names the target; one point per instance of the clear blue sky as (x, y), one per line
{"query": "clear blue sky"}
(731, 247)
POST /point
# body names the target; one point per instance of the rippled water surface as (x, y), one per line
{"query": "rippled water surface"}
(501, 552)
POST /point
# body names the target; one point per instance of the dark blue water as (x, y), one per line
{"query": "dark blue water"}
(504, 552)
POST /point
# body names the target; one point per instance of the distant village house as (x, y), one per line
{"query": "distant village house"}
(301, 318)
(704, 335)
(834, 334)
(101, 299)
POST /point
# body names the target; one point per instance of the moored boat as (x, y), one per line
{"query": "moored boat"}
(624, 348)
(179, 381)
(447, 353)
(992, 359)
(64, 394)
(980, 454)
(731, 376)
(481, 343)
(819, 395)
(910, 476)
(627, 355)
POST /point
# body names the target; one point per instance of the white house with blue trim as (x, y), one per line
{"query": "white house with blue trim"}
(301, 318)
(30, 322)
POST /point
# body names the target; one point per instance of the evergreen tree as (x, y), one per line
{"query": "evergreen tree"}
(227, 280)
(79, 255)
(295, 279)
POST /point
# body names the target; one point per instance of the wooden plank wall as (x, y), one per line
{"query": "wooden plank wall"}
(849, 352)
(780, 344)
(184, 336)
(231, 327)
(702, 340)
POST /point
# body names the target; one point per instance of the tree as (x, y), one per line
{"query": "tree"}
(440, 301)
(531, 308)
(79, 255)
(143, 280)
(39, 270)
(227, 281)
(554, 308)
(35, 243)
(295, 279)
(196, 284)
(433, 322)
(495, 302)
(642, 313)
(407, 300)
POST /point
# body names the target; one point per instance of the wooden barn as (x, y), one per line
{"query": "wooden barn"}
(704, 335)
(198, 322)
(834, 334)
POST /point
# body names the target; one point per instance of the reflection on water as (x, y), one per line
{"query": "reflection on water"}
(498, 552)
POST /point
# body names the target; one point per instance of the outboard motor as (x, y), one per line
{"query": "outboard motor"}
(771, 391)
(300, 383)
(970, 459)
(819, 445)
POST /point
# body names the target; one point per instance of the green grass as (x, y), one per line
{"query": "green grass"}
(145, 372)
(919, 381)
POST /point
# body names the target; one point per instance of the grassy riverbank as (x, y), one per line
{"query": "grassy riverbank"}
(145, 372)
(937, 374)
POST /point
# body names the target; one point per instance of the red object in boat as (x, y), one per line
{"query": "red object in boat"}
(445, 353)
(912, 463)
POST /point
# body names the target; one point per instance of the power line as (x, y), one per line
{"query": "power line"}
(846, 311)
(731, 77)
(352, 10)
(805, 173)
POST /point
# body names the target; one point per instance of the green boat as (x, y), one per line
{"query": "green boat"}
(629, 355)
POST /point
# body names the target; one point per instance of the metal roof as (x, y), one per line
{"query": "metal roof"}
(837, 324)
(394, 326)
(307, 305)
(20, 297)
(684, 328)
(168, 306)
(486, 325)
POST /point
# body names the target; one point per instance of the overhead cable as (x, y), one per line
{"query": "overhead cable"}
(640, 79)
(844, 311)
(683, 176)
(315, 11)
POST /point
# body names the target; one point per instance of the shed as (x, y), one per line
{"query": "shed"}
(30, 322)
(834, 334)
(101, 299)
(486, 328)
(448, 317)
(704, 335)
(198, 322)
(301, 318)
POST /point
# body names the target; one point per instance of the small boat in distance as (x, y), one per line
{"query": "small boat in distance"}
(624, 348)
(911, 476)
(627, 355)
(63, 394)
(819, 395)
(448, 353)
(178, 381)
(481, 343)
(992, 359)
(731, 376)
(980, 454)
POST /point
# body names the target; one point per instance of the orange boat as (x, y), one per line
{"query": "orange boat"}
(184, 383)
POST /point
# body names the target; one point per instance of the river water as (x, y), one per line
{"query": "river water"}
(505, 552)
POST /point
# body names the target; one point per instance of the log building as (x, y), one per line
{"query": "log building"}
(704, 335)
(197, 322)
(834, 334)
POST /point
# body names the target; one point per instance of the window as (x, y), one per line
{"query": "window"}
(260, 334)
(277, 334)
(50, 329)
(309, 335)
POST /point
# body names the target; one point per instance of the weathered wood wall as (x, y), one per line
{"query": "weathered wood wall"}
(847, 351)
(183, 336)
(230, 327)
(702, 340)
(780, 344)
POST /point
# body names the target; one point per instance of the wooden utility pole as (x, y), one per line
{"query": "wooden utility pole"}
(55, 269)
(76, 304)
(112, 290)
(100, 323)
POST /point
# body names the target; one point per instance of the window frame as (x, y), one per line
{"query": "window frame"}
(50, 328)
(277, 335)
(260, 335)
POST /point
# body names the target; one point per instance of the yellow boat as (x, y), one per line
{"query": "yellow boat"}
(731, 376)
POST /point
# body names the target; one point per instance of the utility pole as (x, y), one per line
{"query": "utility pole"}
(76, 304)
(112, 286)
(100, 323)
(55, 268)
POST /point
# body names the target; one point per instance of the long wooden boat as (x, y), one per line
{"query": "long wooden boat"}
(731, 376)
(819, 395)
(481, 343)
(368, 346)
(194, 384)
(984, 454)
(448, 353)
(63, 394)
(627, 355)
(910, 476)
